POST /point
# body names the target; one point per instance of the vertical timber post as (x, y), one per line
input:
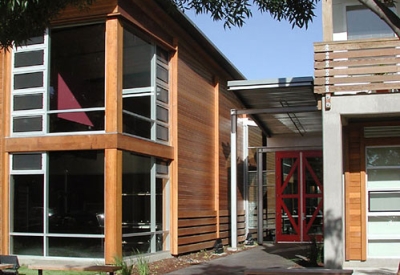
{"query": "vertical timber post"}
(233, 179)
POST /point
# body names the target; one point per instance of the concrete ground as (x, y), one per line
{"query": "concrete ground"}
(268, 255)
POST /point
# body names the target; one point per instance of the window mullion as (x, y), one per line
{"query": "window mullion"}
(153, 205)
(153, 97)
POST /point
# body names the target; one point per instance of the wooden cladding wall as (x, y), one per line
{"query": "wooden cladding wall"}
(226, 103)
(196, 131)
(98, 10)
(149, 18)
(5, 82)
(367, 66)
(2, 91)
(355, 242)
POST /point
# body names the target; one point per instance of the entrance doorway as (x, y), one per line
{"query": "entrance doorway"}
(299, 196)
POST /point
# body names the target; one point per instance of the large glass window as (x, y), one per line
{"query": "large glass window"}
(383, 199)
(58, 82)
(57, 204)
(145, 89)
(363, 23)
(145, 184)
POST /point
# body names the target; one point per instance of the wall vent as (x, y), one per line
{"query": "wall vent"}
(381, 131)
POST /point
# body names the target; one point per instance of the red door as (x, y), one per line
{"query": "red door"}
(299, 192)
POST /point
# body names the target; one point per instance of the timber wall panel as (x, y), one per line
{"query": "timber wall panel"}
(5, 83)
(226, 104)
(197, 220)
(353, 187)
(2, 182)
(195, 134)
(99, 10)
(149, 19)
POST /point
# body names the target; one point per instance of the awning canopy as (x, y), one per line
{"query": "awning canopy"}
(280, 106)
(284, 106)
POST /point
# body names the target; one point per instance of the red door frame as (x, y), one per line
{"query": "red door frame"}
(298, 222)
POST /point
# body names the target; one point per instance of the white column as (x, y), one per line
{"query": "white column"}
(333, 190)
(260, 207)
(233, 179)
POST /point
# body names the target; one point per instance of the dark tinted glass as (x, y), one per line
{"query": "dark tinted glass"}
(28, 102)
(76, 192)
(26, 59)
(27, 162)
(140, 105)
(27, 124)
(28, 203)
(76, 122)
(137, 58)
(28, 80)
(77, 67)
(136, 126)
(162, 133)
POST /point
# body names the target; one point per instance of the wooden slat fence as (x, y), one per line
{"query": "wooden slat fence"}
(349, 67)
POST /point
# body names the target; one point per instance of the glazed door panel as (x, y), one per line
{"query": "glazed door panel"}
(299, 192)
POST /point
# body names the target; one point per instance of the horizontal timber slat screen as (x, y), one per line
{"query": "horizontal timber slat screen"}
(197, 230)
(363, 66)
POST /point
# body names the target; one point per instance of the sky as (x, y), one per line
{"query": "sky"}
(265, 48)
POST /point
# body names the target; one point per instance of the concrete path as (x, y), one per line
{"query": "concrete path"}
(237, 263)
(266, 256)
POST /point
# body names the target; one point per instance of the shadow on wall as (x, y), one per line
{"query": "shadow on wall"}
(226, 150)
(333, 233)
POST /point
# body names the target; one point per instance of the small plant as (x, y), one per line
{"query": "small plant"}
(316, 252)
(142, 265)
(126, 269)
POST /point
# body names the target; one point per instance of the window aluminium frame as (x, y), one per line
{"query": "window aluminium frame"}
(39, 115)
(45, 234)
(377, 34)
(383, 190)
(39, 90)
(159, 103)
(159, 170)
(385, 216)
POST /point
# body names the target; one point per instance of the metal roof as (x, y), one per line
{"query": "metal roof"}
(280, 106)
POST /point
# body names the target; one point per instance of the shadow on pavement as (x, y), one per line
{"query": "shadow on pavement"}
(299, 253)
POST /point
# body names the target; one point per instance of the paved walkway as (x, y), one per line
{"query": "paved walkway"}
(266, 256)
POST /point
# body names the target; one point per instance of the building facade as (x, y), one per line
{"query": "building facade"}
(356, 73)
(115, 128)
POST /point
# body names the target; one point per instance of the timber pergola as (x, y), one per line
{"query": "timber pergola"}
(280, 107)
